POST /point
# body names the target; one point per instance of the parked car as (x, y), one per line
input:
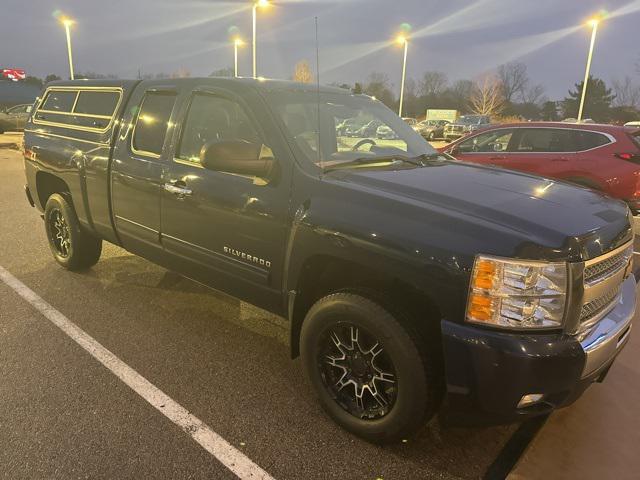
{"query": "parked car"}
(406, 276)
(464, 125)
(410, 121)
(431, 129)
(384, 132)
(350, 125)
(14, 118)
(632, 124)
(369, 130)
(601, 157)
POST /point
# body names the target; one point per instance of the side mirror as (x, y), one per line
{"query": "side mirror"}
(237, 156)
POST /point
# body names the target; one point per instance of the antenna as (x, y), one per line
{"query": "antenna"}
(318, 93)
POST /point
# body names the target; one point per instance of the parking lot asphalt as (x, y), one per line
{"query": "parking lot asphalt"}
(64, 415)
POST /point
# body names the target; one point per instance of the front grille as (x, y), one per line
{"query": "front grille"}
(595, 307)
(603, 277)
(608, 267)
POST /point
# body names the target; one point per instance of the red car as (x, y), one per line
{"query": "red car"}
(602, 157)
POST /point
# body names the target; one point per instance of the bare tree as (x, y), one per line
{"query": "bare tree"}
(514, 79)
(627, 93)
(457, 95)
(433, 83)
(302, 72)
(534, 95)
(410, 88)
(487, 97)
(223, 72)
(379, 86)
(181, 73)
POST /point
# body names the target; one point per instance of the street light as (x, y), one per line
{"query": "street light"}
(256, 5)
(237, 42)
(403, 41)
(593, 23)
(67, 22)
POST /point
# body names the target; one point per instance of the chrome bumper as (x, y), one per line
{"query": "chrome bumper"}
(611, 333)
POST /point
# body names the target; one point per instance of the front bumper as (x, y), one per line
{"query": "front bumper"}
(488, 372)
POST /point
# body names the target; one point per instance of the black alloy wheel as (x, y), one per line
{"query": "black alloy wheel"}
(372, 372)
(59, 234)
(72, 246)
(357, 371)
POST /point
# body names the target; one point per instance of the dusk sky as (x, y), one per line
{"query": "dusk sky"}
(462, 38)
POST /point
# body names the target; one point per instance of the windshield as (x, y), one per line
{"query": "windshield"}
(368, 140)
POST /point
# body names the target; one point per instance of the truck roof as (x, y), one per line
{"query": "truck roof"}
(263, 84)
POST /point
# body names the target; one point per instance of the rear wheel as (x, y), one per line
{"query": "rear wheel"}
(370, 370)
(72, 247)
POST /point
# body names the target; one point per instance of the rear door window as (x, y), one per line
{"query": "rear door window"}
(544, 140)
(213, 119)
(152, 123)
(590, 140)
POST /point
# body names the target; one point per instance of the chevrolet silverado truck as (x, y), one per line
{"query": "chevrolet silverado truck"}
(411, 281)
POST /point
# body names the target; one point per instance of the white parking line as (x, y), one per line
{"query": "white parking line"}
(227, 454)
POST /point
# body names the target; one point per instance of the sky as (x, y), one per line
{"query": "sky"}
(462, 38)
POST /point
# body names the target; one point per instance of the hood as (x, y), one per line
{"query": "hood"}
(575, 222)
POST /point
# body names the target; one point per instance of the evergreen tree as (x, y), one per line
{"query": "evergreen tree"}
(597, 105)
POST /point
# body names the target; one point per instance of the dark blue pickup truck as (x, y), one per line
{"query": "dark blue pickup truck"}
(410, 280)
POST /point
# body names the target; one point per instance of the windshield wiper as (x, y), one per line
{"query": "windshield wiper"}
(370, 160)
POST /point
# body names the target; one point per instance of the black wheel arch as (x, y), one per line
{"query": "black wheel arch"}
(47, 184)
(323, 275)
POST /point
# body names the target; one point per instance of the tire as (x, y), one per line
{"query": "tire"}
(386, 349)
(432, 136)
(71, 246)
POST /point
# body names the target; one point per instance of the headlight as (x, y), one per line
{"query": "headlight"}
(517, 294)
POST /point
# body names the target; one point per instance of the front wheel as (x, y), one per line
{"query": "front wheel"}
(370, 370)
(72, 247)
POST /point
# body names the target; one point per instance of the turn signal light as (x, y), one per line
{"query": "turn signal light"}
(481, 307)
(485, 274)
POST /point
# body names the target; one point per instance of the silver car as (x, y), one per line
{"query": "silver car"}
(14, 118)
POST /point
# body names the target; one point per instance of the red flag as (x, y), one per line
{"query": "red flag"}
(14, 74)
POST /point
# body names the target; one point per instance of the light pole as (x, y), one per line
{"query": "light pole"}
(261, 4)
(594, 24)
(237, 42)
(404, 41)
(67, 22)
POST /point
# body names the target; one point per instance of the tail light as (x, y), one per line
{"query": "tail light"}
(631, 157)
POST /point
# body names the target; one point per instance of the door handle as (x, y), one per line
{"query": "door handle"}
(177, 189)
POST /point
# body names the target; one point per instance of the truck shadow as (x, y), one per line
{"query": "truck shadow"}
(179, 307)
